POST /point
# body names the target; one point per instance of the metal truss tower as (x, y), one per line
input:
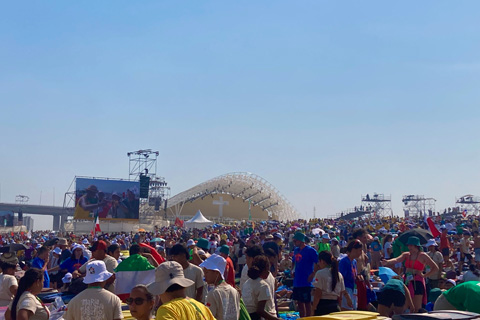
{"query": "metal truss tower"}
(144, 163)
(378, 204)
(417, 205)
(470, 203)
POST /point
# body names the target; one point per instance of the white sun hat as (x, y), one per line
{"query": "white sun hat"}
(96, 272)
(215, 262)
(431, 242)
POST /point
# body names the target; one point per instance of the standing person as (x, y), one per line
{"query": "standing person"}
(41, 262)
(376, 253)
(363, 267)
(141, 303)
(170, 284)
(223, 301)
(335, 248)
(54, 266)
(95, 302)
(192, 272)
(8, 283)
(476, 247)
(445, 242)
(270, 243)
(250, 253)
(387, 247)
(114, 251)
(348, 268)
(304, 260)
(436, 256)
(415, 262)
(465, 248)
(26, 304)
(229, 269)
(329, 286)
(256, 293)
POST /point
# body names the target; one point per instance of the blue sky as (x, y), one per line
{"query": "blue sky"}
(325, 100)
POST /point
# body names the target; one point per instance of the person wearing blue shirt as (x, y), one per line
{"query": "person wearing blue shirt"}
(41, 262)
(304, 260)
(348, 268)
(75, 261)
(376, 253)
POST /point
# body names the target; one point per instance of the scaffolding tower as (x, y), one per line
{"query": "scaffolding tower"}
(143, 163)
(469, 203)
(378, 204)
(417, 205)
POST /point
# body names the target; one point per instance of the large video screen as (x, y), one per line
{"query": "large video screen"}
(109, 199)
(6, 218)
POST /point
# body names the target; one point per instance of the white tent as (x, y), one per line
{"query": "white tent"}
(198, 221)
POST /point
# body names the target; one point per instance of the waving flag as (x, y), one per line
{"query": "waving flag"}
(130, 272)
(432, 228)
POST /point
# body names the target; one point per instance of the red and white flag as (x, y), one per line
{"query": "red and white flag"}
(97, 225)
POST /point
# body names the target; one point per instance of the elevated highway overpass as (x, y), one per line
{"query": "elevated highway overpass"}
(59, 214)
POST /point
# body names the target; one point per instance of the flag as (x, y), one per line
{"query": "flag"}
(178, 222)
(464, 213)
(97, 225)
(432, 227)
(154, 253)
(130, 272)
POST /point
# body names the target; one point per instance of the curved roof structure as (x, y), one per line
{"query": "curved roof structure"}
(245, 185)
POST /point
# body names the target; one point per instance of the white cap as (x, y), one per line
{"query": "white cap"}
(96, 272)
(57, 250)
(452, 282)
(215, 262)
(326, 236)
(201, 252)
(190, 242)
(431, 242)
(85, 241)
(67, 278)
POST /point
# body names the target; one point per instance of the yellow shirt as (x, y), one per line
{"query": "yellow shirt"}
(184, 308)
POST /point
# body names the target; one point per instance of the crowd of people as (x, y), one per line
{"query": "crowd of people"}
(252, 270)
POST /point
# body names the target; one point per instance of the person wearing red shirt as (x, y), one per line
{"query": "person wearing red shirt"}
(229, 274)
(444, 242)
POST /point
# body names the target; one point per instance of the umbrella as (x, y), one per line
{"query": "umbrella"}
(316, 231)
(157, 240)
(386, 274)
(50, 242)
(422, 234)
(13, 247)
(141, 230)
